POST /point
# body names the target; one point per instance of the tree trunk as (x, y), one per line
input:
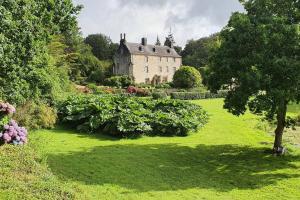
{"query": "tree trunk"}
(281, 116)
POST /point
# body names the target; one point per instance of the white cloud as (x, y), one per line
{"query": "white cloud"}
(189, 19)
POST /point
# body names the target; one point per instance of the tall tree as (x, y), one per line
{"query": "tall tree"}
(258, 61)
(25, 30)
(158, 43)
(102, 46)
(198, 52)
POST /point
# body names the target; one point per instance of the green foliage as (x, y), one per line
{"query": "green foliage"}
(36, 115)
(198, 95)
(259, 60)
(128, 116)
(25, 175)
(102, 46)
(159, 95)
(119, 81)
(198, 52)
(170, 168)
(26, 26)
(164, 86)
(187, 77)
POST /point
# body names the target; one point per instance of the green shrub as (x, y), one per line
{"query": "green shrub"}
(187, 77)
(36, 115)
(163, 86)
(95, 89)
(130, 116)
(159, 95)
(118, 81)
(197, 95)
(297, 119)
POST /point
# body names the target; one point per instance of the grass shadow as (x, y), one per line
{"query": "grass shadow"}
(70, 130)
(164, 167)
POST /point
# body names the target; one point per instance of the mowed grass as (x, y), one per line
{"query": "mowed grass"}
(228, 159)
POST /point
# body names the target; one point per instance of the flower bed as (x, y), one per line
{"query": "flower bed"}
(10, 132)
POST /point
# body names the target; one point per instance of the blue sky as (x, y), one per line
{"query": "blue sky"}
(189, 19)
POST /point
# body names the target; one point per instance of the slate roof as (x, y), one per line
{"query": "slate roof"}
(151, 50)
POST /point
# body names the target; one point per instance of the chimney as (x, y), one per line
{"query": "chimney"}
(144, 41)
(123, 38)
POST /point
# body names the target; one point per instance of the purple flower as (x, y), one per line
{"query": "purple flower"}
(6, 137)
(14, 134)
(7, 108)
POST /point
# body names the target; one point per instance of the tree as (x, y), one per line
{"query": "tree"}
(25, 30)
(187, 77)
(198, 52)
(258, 61)
(102, 46)
(158, 43)
(178, 49)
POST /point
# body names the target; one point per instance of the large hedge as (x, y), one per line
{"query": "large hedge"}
(187, 77)
(130, 116)
(198, 95)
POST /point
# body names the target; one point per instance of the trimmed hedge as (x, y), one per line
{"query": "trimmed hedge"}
(198, 95)
(187, 77)
(122, 116)
(159, 95)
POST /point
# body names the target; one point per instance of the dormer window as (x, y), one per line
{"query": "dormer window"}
(168, 50)
(154, 50)
(140, 48)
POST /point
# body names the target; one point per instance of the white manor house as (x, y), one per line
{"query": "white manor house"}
(146, 63)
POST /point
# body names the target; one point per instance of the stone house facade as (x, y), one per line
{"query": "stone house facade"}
(151, 64)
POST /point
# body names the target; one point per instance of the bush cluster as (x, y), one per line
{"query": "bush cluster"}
(10, 132)
(187, 77)
(118, 81)
(197, 95)
(159, 95)
(122, 116)
(36, 115)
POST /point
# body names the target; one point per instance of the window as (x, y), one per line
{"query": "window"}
(154, 50)
(140, 48)
(147, 69)
(174, 69)
(165, 79)
(147, 80)
(167, 59)
(167, 69)
(160, 69)
(174, 59)
(147, 59)
(160, 59)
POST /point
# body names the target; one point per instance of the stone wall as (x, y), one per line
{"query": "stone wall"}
(154, 68)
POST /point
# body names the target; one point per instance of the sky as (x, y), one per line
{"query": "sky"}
(188, 19)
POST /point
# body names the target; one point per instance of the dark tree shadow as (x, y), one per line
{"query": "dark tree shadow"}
(173, 167)
(70, 130)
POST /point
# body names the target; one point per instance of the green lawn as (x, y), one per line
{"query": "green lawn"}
(228, 159)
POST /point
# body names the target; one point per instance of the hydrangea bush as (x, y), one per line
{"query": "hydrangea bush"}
(10, 131)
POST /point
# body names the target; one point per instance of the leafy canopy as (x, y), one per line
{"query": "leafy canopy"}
(259, 57)
(102, 46)
(258, 61)
(26, 27)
